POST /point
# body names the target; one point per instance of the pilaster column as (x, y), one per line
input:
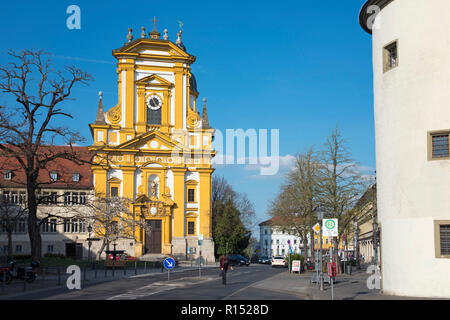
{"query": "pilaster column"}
(179, 199)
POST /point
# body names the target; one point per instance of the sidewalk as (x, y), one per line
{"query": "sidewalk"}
(347, 287)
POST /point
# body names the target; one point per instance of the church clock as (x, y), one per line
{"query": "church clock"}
(154, 102)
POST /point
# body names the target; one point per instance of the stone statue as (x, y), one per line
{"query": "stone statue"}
(154, 189)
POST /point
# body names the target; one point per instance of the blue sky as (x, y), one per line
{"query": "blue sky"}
(298, 66)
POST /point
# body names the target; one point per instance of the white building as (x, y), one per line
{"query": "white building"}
(274, 240)
(411, 66)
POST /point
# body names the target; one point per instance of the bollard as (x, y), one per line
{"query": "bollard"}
(145, 266)
(124, 270)
(113, 268)
(135, 267)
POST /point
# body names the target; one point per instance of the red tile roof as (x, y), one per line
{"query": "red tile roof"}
(65, 169)
(275, 221)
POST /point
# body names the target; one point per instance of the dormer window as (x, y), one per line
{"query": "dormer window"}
(75, 177)
(53, 176)
(8, 175)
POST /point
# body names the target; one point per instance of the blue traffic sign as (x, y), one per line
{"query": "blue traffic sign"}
(169, 263)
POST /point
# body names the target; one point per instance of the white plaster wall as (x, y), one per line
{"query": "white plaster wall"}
(411, 100)
(170, 182)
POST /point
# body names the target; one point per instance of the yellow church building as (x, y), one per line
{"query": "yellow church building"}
(154, 148)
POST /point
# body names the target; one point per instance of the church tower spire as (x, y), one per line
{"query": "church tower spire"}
(100, 114)
(205, 121)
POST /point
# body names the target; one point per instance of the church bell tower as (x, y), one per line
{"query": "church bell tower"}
(154, 148)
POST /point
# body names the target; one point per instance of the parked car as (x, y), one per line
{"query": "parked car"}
(264, 260)
(238, 260)
(127, 257)
(279, 261)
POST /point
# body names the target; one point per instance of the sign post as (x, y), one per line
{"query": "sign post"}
(169, 264)
(317, 230)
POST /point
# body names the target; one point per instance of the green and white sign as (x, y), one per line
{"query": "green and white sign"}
(330, 227)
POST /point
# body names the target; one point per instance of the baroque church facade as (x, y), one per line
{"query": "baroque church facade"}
(154, 148)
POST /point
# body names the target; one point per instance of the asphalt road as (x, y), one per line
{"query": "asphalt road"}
(185, 285)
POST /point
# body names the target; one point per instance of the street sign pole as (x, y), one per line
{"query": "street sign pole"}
(332, 273)
(320, 262)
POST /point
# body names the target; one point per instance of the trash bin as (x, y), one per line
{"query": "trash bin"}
(349, 269)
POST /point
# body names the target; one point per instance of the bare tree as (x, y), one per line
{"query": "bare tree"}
(341, 184)
(109, 217)
(28, 127)
(296, 204)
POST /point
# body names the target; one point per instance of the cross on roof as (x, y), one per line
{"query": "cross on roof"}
(154, 23)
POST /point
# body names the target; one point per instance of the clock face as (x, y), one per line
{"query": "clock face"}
(154, 102)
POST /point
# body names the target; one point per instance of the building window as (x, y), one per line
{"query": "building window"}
(67, 198)
(114, 191)
(66, 225)
(75, 177)
(440, 146)
(21, 226)
(154, 116)
(14, 197)
(265, 231)
(22, 197)
(445, 239)
(50, 248)
(390, 56)
(18, 248)
(8, 175)
(442, 238)
(191, 195)
(75, 198)
(53, 176)
(54, 197)
(82, 197)
(6, 196)
(191, 228)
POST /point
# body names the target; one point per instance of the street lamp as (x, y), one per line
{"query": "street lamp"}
(357, 247)
(89, 228)
(375, 240)
(320, 276)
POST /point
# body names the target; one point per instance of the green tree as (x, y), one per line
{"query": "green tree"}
(231, 212)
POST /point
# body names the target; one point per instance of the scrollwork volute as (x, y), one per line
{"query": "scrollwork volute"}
(115, 114)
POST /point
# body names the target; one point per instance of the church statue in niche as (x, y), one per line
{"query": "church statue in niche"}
(154, 190)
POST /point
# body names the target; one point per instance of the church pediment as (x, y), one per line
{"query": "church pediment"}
(141, 48)
(152, 141)
(154, 80)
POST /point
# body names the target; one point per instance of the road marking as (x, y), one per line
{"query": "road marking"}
(250, 285)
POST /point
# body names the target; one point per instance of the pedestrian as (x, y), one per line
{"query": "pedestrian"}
(224, 263)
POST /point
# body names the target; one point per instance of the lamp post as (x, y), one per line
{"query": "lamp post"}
(89, 228)
(375, 240)
(320, 217)
(142, 227)
(357, 245)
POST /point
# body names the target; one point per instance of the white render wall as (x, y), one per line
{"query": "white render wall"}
(411, 100)
(275, 248)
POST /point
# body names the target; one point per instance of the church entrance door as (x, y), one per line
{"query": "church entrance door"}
(153, 236)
